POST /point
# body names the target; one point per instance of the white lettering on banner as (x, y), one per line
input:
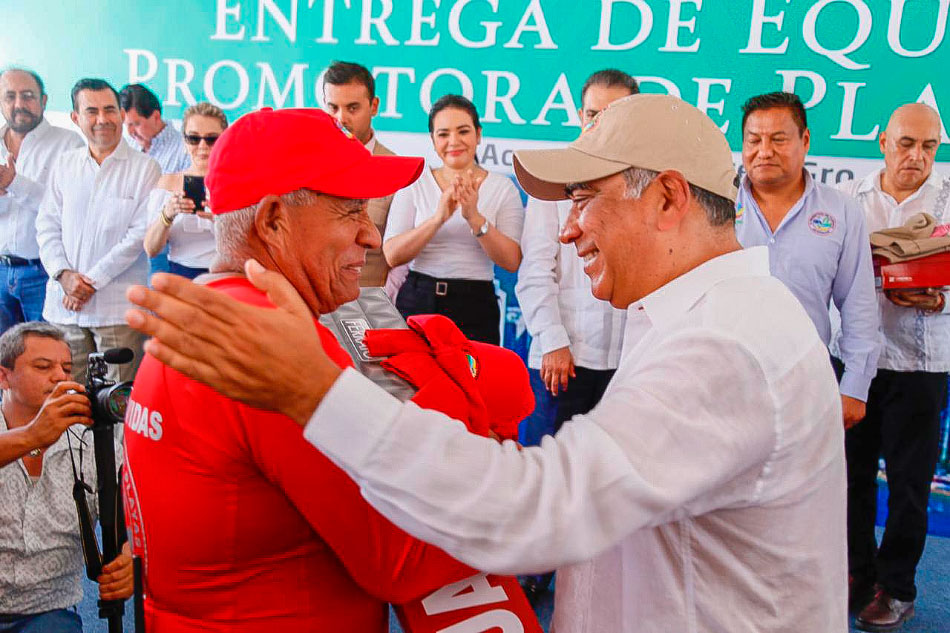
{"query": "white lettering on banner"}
(279, 96)
(759, 20)
(318, 88)
(151, 61)
(244, 84)
(702, 98)
(606, 21)
(928, 97)
(368, 21)
(223, 13)
(390, 111)
(492, 98)
(540, 26)
(676, 24)
(175, 84)
(470, 592)
(455, 30)
(561, 91)
(894, 29)
(818, 85)
(845, 131)
(671, 88)
(839, 56)
(327, 36)
(418, 20)
(425, 91)
(287, 25)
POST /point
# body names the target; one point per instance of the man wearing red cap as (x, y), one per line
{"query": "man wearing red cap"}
(242, 525)
(704, 492)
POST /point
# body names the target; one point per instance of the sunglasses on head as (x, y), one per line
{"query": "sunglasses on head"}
(194, 139)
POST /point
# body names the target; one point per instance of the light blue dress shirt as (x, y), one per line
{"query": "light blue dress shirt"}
(168, 150)
(821, 251)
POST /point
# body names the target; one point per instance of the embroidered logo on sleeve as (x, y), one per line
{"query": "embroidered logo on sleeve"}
(821, 223)
(740, 212)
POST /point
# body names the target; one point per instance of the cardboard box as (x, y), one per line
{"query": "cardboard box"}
(932, 271)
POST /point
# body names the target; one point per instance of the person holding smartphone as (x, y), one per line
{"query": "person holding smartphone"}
(181, 216)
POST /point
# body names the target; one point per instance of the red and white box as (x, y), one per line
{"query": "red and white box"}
(931, 271)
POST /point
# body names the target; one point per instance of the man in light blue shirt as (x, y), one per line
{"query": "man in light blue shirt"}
(816, 236)
(149, 132)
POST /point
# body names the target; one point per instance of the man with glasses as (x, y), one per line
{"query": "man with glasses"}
(41, 560)
(90, 229)
(28, 148)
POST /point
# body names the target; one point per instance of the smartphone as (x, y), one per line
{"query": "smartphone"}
(194, 188)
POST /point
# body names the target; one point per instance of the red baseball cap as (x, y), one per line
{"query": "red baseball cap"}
(279, 151)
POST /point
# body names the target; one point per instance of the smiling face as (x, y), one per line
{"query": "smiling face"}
(909, 145)
(773, 148)
(455, 138)
(20, 101)
(44, 363)
(350, 104)
(322, 247)
(99, 118)
(611, 233)
(203, 126)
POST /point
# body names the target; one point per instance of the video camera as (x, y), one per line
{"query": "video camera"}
(108, 400)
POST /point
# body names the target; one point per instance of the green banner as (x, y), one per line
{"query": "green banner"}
(521, 61)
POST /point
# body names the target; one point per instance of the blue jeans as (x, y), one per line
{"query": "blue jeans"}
(22, 293)
(58, 621)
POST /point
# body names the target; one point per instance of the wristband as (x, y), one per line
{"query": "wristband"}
(164, 218)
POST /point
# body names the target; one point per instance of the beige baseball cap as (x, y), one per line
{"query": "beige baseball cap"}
(649, 131)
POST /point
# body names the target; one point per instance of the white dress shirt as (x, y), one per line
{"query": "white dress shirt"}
(18, 208)
(555, 295)
(190, 238)
(705, 492)
(93, 220)
(914, 340)
(453, 252)
(41, 562)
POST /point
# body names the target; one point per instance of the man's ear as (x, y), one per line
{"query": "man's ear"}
(271, 223)
(673, 189)
(5, 377)
(74, 117)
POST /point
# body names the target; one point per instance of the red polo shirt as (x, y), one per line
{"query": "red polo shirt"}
(245, 527)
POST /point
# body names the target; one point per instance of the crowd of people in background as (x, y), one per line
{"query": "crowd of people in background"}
(81, 214)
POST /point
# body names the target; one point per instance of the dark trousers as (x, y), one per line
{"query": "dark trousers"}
(472, 305)
(903, 426)
(583, 393)
(185, 271)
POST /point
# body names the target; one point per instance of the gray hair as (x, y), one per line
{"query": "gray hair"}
(719, 211)
(231, 230)
(13, 341)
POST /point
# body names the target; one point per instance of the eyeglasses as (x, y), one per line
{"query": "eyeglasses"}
(194, 139)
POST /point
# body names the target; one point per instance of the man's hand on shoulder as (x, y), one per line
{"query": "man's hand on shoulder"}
(267, 358)
(557, 368)
(116, 582)
(853, 410)
(65, 406)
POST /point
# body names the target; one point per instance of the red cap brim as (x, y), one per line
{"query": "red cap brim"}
(373, 177)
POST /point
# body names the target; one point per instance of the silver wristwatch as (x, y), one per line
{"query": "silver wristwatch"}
(482, 231)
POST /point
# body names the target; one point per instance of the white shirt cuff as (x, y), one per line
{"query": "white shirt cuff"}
(354, 414)
(554, 337)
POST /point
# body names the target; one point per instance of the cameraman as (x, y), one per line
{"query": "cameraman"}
(41, 560)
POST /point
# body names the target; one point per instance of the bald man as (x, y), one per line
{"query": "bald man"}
(903, 408)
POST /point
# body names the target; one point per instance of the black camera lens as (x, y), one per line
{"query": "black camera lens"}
(113, 401)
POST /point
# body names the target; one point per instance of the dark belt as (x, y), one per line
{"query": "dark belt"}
(442, 287)
(13, 260)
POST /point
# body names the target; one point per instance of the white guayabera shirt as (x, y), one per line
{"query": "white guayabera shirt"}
(705, 492)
